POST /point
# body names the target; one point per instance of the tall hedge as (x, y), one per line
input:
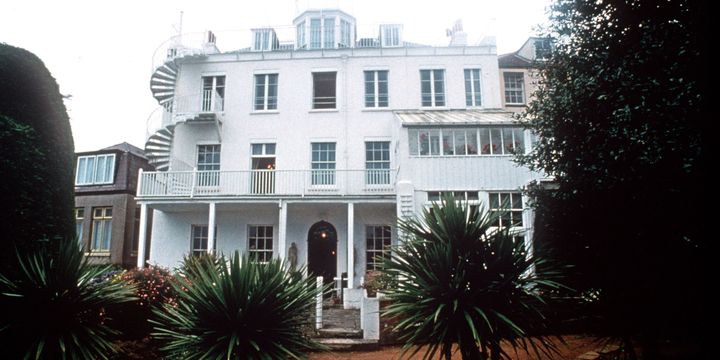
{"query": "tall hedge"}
(37, 159)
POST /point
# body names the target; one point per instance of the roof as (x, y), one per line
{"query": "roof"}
(454, 117)
(126, 147)
(513, 60)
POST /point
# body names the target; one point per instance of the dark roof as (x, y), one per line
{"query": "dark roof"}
(513, 60)
(126, 148)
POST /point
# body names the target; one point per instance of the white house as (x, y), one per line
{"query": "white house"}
(311, 149)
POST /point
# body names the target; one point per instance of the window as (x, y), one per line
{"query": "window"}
(514, 88)
(472, 87)
(329, 33)
(377, 163)
(262, 150)
(208, 165)
(390, 35)
(543, 49)
(264, 39)
(324, 90)
(509, 208)
(501, 141)
(315, 34)
(266, 87)
(260, 243)
(345, 34)
(459, 195)
(462, 142)
(79, 219)
(213, 95)
(376, 88)
(378, 239)
(101, 229)
(301, 35)
(323, 164)
(432, 87)
(95, 169)
(262, 180)
(199, 235)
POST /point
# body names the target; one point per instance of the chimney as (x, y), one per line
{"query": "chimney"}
(458, 37)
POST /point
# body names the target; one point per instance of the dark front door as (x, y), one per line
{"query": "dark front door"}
(322, 251)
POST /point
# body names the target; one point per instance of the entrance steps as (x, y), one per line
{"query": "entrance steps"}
(341, 330)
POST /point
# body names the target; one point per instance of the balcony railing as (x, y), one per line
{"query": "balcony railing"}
(266, 183)
(184, 107)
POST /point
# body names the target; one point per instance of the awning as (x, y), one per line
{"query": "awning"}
(454, 117)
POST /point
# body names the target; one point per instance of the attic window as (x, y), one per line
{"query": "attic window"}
(95, 169)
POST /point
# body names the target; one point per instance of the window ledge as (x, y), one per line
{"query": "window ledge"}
(375, 109)
(98, 253)
(264, 112)
(515, 104)
(461, 156)
(434, 108)
(323, 110)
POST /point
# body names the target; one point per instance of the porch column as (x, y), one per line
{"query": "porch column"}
(143, 236)
(282, 230)
(211, 228)
(351, 245)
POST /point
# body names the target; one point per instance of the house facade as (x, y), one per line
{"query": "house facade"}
(309, 150)
(107, 217)
(518, 72)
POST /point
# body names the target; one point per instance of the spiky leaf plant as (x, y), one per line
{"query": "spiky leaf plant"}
(245, 310)
(53, 304)
(463, 282)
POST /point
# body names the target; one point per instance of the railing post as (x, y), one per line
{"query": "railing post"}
(318, 302)
(140, 183)
(193, 182)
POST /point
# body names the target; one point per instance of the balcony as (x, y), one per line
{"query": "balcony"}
(266, 183)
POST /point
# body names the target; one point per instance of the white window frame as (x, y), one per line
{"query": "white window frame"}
(328, 33)
(473, 87)
(515, 213)
(213, 96)
(101, 240)
(95, 178)
(373, 100)
(301, 36)
(208, 173)
(264, 97)
(377, 171)
(316, 32)
(434, 102)
(204, 235)
(372, 253)
(266, 253)
(325, 173)
(425, 142)
(516, 90)
(79, 222)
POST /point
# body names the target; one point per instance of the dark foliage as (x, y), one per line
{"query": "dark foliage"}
(37, 164)
(52, 307)
(459, 281)
(244, 310)
(619, 118)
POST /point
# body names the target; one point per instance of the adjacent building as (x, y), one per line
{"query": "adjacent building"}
(518, 72)
(106, 213)
(309, 149)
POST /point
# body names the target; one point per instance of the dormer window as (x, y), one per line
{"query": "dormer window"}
(95, 169)
(324, 29)
(543, 49)
(391, 35)
(264, 40)
(301, 35)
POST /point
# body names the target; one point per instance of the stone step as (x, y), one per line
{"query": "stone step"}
(340, 333)
(336, 344)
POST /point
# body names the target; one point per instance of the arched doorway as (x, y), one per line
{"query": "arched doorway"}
(322, 251)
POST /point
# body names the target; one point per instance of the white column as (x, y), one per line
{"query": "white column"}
(143, 236)
(351, 245)
(211, 228)
(282, 230)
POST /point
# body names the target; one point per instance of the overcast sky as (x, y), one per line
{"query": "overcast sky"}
(100, 52)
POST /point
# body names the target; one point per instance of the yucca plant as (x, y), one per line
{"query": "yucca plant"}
(245, 310)
(53, 306)
(463, 282)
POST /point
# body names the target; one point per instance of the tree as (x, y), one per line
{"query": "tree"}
(618, 116)
(36, 188)
(460, 281)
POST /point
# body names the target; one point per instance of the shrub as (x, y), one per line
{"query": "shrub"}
(462, 282)
(244, 310)
(152, 289)
(52, 307)
(376, 280)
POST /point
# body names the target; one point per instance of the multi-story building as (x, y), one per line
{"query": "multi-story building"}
(309, 150)
(107, 217)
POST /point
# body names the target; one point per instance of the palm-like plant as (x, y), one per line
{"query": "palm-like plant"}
(53, 306)
(246, 310)
(462, 281)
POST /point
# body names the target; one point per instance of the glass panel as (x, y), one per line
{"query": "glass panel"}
(315, 33)
(424, 138)
(472, 145)
(324, 90)
(434, 142)
(519, 139)
(425, 88)
(460, 145)
(447, 142)
(369, 88)
(509, 145)
(413, 141)
(382, 88)
(439, 88)
(329, 25)
(496, 141)
(269, 149)
(485, 141)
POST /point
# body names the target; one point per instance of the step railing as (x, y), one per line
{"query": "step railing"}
(264, 183)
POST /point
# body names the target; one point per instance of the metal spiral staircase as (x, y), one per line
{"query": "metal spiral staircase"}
(162, 85)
